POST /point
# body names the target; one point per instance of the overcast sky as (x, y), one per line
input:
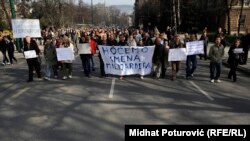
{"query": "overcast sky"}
(112, 2)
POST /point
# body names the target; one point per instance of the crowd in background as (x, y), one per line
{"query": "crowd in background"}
(163, 41)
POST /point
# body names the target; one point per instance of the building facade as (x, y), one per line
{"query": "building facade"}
(235, 13)
(189, 14)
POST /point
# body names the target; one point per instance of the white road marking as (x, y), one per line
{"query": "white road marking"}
(202, 91)
(22, 91)
(111, 93)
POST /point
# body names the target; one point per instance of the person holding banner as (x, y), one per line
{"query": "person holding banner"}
(122, 42)
(158, 58)
(67, 66)
(176, 64)
(191, 62)
(216, 54)
(104, 43)
(85, 56)
(30, 47)
(234, 57)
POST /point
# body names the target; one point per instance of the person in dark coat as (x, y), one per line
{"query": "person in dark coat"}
(204, 38)
(158, 58)
(233, 59)
(122, 42)
(10, 49)
(3, 46)
(246, 45)
(33, 63)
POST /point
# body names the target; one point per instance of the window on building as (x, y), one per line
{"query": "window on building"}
(246, 2)
(242, 20)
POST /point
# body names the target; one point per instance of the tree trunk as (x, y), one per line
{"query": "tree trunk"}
(229, 18)
(178, 14)
(6, 12)
(174, 15)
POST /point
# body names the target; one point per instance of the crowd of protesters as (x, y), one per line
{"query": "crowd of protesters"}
(163, 41)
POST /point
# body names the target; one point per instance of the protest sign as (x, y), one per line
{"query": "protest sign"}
(195, 47)
(123, 60)
(84, 48)
(30, 54)
(238, 50)
(26, 27)
(178, 54)
(65, 54)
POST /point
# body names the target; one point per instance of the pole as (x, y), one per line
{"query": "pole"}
(13, 14)
(239, 22)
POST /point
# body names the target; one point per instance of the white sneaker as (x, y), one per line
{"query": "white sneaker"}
(142, 77)
(8, 63)
(70, 76)
(64, 78)
(212, 81)
(218, 81)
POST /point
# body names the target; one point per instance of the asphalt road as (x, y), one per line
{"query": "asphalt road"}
(96, 109)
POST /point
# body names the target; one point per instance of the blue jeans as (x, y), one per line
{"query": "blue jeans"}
(92, 62)
(86, 63)
(215, 67)
(191, 65)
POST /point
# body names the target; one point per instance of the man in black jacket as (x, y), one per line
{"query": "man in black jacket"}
(3, 46)
(246, 45)
(30, 45)
(158, 58)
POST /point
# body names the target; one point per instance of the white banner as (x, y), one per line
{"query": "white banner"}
(123, 60)
(178, 54)
(195, 47)
(26, 27)
(30, 54)
(84, 48)
(238, 50)
(65, 54)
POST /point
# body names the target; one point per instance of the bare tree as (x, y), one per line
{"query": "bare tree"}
(7, 14)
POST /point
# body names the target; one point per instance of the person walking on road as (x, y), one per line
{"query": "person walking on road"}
(191, 62)
(176, 64)
(3, 46)
(50, 59)
(233, 59)
(67, 66)
(158, 58)
(246, 45)
(204, 38)
(33, 63)
(216, 54)
(122, 42)
(10, 48)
